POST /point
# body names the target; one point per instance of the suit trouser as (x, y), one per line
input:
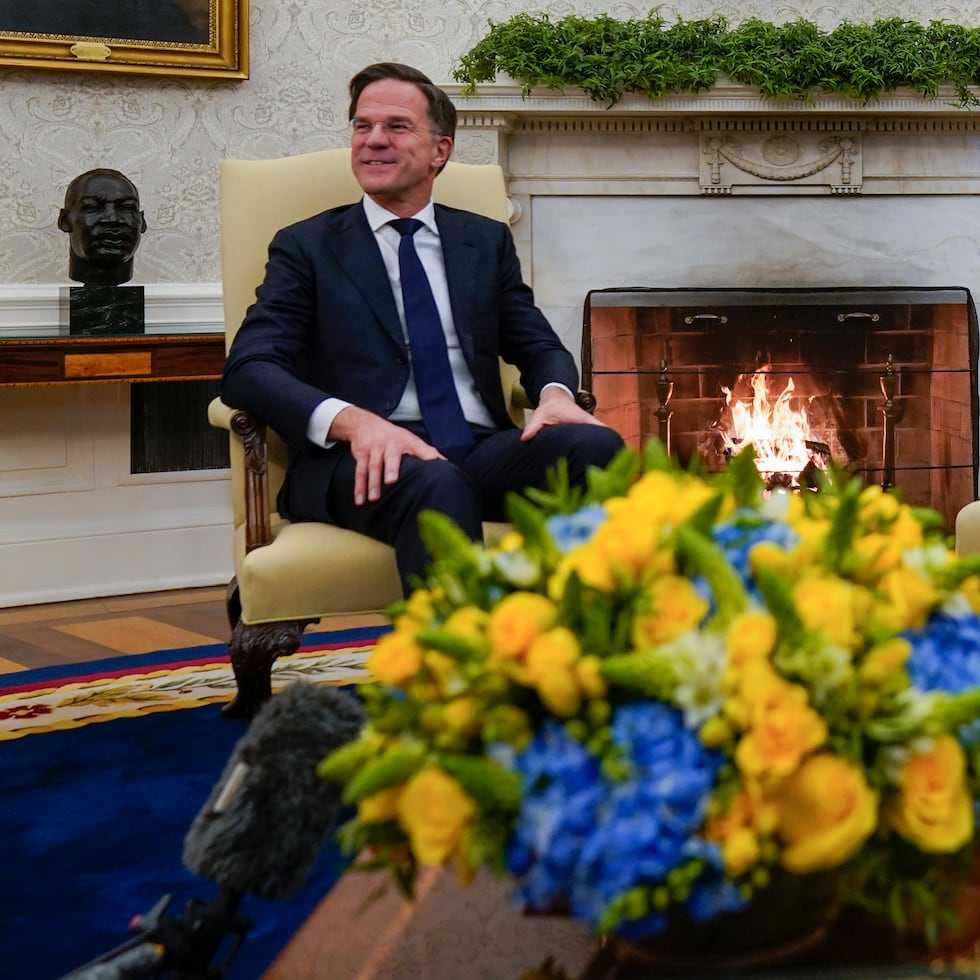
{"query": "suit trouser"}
(470, 491)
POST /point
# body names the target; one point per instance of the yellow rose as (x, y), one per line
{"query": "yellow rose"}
(461, 716)
(626, 543)
(673, 606)
(418, 611)
(588, 673)
(827, 603)
(379, 807)
(665, 499)
(551, 663)
(751, 636)
(589, 564)
(875, 555)
(768, 555)
(884, 660)
(468, 622)
(877, 506)
(515, 621)
(813, 532)
(739, 830)
(934, 811)
(908, 599)
(396, 658)
(741, 851)
(435, 813)
(826, 811)
(782, 728)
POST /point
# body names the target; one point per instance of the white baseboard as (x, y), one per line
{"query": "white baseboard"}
(91, 566)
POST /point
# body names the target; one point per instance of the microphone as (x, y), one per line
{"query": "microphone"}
(259, 832)
(270, 814)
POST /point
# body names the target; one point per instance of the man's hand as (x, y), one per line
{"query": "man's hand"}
(556, 406)
(377, 446)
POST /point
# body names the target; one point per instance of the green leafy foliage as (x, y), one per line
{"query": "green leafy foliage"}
(609, 58)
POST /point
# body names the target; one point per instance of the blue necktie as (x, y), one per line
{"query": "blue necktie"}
(438, 400)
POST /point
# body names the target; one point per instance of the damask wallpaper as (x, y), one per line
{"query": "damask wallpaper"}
(169, 135)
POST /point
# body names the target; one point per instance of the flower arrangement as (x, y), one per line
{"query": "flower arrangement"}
(661, 691)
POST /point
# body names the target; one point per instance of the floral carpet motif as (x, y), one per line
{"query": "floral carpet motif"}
(58, 698)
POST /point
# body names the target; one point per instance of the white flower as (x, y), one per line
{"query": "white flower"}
(699, 660)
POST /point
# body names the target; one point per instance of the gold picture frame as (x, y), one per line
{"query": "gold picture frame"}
(201, 38)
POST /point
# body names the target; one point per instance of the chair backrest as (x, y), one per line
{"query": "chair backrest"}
(258, 197)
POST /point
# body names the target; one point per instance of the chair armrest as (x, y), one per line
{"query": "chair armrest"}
(219, 414)
(250, 433)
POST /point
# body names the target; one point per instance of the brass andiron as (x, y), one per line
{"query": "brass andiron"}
(892, 412)
(665, 391)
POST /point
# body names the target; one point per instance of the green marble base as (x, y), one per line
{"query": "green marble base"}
(104, 311)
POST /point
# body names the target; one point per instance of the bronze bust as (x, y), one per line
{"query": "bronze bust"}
(104, 223)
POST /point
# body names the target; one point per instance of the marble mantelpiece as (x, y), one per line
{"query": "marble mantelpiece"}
(668, 145)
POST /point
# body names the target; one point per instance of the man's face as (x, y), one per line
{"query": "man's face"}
(395, 152)
(103, 220)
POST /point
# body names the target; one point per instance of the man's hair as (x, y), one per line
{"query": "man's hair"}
(71, 191)
(442, 113)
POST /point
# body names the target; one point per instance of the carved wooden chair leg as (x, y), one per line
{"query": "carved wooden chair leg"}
(253, 650)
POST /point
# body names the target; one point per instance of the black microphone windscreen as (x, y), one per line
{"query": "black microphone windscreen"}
(267, 819)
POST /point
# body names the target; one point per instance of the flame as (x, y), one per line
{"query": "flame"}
(778, 428)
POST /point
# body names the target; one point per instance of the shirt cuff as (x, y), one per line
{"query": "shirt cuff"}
(322, 418)
(558, 384)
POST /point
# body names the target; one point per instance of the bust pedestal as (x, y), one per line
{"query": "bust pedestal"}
(105, 311)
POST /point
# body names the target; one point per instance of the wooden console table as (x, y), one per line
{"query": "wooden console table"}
(144, 357)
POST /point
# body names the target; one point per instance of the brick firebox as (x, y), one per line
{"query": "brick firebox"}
(836, 344)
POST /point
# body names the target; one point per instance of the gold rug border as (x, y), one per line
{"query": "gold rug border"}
(75, 704)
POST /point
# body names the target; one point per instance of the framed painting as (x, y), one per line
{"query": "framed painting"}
(204, 38)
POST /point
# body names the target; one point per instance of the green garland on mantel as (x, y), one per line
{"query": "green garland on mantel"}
(609, 58)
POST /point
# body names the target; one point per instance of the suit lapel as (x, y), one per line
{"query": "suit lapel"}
(460, 257)
(351, 240)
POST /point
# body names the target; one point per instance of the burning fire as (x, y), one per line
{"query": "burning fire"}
(778, 428)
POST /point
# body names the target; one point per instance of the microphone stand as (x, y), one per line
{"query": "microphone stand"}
(181, 948)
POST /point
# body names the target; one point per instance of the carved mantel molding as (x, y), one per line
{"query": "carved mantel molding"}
(728, 140)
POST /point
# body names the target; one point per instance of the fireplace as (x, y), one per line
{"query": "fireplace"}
(887, 376)
(647, 191)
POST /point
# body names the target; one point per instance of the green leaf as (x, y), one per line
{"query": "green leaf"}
(838, 544)
(778, 593)
(609, 58)
(698, 555)
(341, 765)
(743, 479)
(492, 789)
(398, 764)
(444, 539)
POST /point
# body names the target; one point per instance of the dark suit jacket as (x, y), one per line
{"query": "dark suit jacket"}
(325, 324)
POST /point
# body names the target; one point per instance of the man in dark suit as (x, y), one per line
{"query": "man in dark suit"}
(325, 355)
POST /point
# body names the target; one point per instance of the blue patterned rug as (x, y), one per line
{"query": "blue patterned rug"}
(103, 768)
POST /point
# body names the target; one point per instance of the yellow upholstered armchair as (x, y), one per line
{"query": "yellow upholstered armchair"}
(290, 575)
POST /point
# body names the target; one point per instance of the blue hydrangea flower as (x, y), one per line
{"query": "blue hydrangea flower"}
(737, 536)
(561, 790)
(945, 653)
(571, 530)
(586, 839)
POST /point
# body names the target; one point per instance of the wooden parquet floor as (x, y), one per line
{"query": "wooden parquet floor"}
(92, 629)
